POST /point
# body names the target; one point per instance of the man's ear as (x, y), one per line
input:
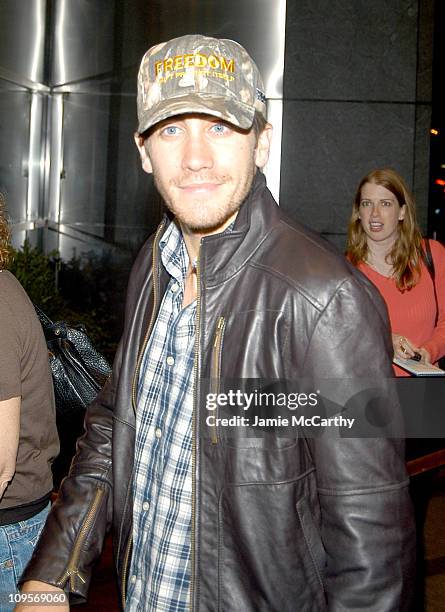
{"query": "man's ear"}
(145, 160)
(263, 146)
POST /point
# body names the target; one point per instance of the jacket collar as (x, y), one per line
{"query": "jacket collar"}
(222, 255)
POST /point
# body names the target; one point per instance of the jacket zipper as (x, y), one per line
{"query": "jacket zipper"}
(194, 425)
(216, 370)
(72, 570)
(124, 570)
(153, 315)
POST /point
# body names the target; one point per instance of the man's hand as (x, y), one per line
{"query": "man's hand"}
(42, 597)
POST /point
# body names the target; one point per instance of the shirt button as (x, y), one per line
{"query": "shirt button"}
(175, 287)
(145, 506)
(170, 360)
(158, 432)
(133, 578)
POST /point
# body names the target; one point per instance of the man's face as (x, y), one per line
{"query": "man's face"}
(203, 168)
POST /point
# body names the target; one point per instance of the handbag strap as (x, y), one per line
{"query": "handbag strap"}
(43, 318)
(429, 262)
(52, 331)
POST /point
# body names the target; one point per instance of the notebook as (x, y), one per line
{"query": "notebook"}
(418, 369)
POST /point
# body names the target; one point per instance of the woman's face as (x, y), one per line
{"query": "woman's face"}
(379, 213)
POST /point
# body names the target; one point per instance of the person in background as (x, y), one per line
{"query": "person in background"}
(385, 243)
(28, 435)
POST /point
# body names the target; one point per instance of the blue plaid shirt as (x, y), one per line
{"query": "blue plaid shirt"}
(159, 579)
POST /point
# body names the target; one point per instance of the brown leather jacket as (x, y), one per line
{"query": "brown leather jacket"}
(279, 524)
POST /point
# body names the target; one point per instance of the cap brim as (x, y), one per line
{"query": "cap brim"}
(230, 110)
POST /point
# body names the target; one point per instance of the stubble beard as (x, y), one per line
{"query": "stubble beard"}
(201, 215)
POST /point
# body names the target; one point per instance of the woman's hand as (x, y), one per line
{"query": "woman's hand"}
(405, 349)
(426, 357)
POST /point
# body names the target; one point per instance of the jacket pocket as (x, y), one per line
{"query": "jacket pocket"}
(312, 538)
(215, 373)
(263, 561)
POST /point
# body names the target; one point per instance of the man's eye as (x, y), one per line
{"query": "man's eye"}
(170, 130)
(220, 128)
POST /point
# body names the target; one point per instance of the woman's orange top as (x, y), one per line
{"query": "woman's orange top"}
(412, 313)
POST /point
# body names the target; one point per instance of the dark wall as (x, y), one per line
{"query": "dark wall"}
(436, 220)
(357, 95)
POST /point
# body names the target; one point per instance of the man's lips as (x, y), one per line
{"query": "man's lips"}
(200, 187)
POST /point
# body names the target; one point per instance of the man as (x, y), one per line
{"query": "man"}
(230, 288)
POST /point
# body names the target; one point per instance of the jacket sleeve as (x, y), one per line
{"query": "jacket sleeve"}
(367, 525)
(74, 533)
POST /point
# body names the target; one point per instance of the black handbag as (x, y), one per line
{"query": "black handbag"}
(79, 372)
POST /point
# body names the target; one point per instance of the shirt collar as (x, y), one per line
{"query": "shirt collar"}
(174, 255)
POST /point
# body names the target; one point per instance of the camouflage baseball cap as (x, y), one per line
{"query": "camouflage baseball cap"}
(198, 74)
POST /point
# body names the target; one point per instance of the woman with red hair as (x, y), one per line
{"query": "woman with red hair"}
(385, 243)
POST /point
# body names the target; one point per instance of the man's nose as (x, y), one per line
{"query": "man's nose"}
(197, 153)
